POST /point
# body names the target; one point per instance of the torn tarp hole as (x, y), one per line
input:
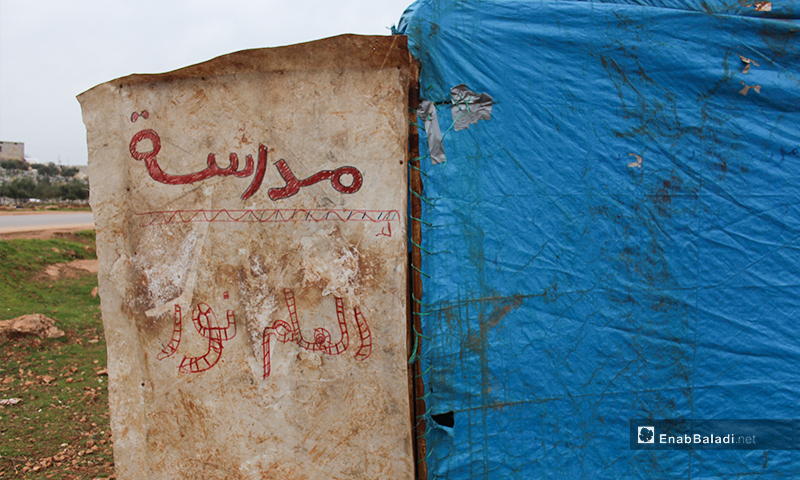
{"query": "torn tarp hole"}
(447, 419)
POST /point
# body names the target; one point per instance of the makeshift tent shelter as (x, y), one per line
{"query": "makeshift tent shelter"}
(619, 240)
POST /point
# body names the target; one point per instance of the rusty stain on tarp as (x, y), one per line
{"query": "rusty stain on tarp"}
(748, 62)
(758, 6)
(763, 6)
(747, 88)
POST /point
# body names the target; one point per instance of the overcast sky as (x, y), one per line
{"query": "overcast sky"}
(52, 50)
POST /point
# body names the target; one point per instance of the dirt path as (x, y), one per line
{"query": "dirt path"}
(45, 234)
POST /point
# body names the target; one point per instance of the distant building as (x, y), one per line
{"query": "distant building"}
(83, 172)
(12, 151)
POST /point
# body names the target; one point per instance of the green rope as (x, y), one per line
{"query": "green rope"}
(419, 301)
(419, 246)
(424, 373)
(420, 271)
(418, 169)
(420, 220)
(421, 197)
(430, 452)
(414, 356)
(454, 124)
(421, 335)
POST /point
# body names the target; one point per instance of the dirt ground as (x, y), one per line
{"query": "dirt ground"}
(59, 386)
(59, 270)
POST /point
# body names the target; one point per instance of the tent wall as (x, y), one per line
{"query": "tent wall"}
(618, 241)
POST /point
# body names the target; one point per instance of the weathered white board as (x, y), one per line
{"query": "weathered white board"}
(251, 233)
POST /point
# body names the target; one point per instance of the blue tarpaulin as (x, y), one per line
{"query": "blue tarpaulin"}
(618, 241)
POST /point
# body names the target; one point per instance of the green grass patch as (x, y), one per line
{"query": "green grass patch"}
(86, 235)
(59, 429)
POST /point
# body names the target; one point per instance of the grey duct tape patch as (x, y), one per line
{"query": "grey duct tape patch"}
(469, 107)
(427, 111)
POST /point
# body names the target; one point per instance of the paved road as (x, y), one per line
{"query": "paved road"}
(45, 221)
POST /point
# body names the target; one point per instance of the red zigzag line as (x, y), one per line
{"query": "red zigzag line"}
(275, 216)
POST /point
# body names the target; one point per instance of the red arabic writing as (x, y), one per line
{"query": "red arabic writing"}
(206, 324)
(285, 332)
(291, 188)
(386, 231)
(205, 321)
(136, 115)
(335, 176)
(213, 170)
